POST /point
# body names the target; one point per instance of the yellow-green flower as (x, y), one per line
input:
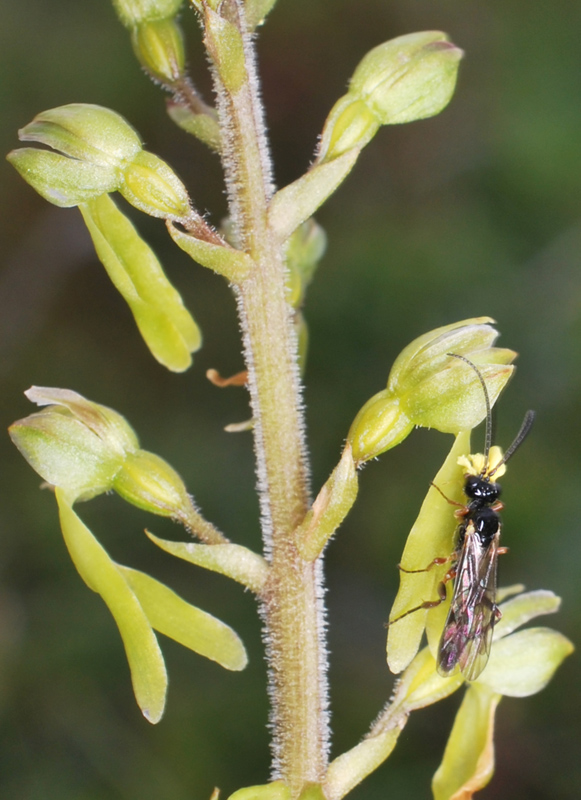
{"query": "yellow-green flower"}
(86, 449)
(430, 389)
(521, 664)
(83, 449)
(94, 152)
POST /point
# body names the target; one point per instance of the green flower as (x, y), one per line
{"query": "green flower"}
(428, 388)
(521, 664)
(140, 604)
(98, 153)
(87, 449)
(83, 449)
(408, 78)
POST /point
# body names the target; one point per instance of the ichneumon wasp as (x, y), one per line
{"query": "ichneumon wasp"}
(465, 642)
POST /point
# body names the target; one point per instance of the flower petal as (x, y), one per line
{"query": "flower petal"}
(523, 663)
(233, 560)
(103, 576)
(422, 686)
(522, 609)
(468, 762)
(432, 536)
(165, 324)
(169, 614)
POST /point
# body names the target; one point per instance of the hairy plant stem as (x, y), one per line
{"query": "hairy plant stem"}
(292, 599)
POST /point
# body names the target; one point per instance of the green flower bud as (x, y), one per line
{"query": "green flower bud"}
(153, 187)
(86, 132)
(408, 78)
(74, 444)
(426, 388)
(134, 12)
(159, 46)
(148, 482)
(96, 144)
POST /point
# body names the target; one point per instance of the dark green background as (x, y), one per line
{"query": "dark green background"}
(474, 212)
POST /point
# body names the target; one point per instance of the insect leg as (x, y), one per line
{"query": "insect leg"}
(447, 499)
(425, 604)
(442, 593)
(435, 563)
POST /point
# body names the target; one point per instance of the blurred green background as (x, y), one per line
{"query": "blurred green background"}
(475, 212)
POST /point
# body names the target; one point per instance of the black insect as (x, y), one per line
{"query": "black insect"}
(467, 635)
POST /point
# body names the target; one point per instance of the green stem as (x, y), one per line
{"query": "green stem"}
(292, 600)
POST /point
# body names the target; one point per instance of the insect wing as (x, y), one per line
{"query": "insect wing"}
(467, 635)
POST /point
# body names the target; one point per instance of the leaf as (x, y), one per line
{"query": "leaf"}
(203, 126)
(468, 762)
(165, 324)
(190, 626)
(103, 576)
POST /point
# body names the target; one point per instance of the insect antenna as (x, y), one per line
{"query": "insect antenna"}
(488, 434)
(518, 439)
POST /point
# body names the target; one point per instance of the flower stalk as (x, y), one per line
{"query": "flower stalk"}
(291, 608)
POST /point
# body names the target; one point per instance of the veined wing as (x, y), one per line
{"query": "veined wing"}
(467, 635)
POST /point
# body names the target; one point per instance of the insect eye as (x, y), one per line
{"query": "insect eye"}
(475, 486)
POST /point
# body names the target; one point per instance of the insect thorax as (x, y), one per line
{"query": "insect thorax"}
(486, 524)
